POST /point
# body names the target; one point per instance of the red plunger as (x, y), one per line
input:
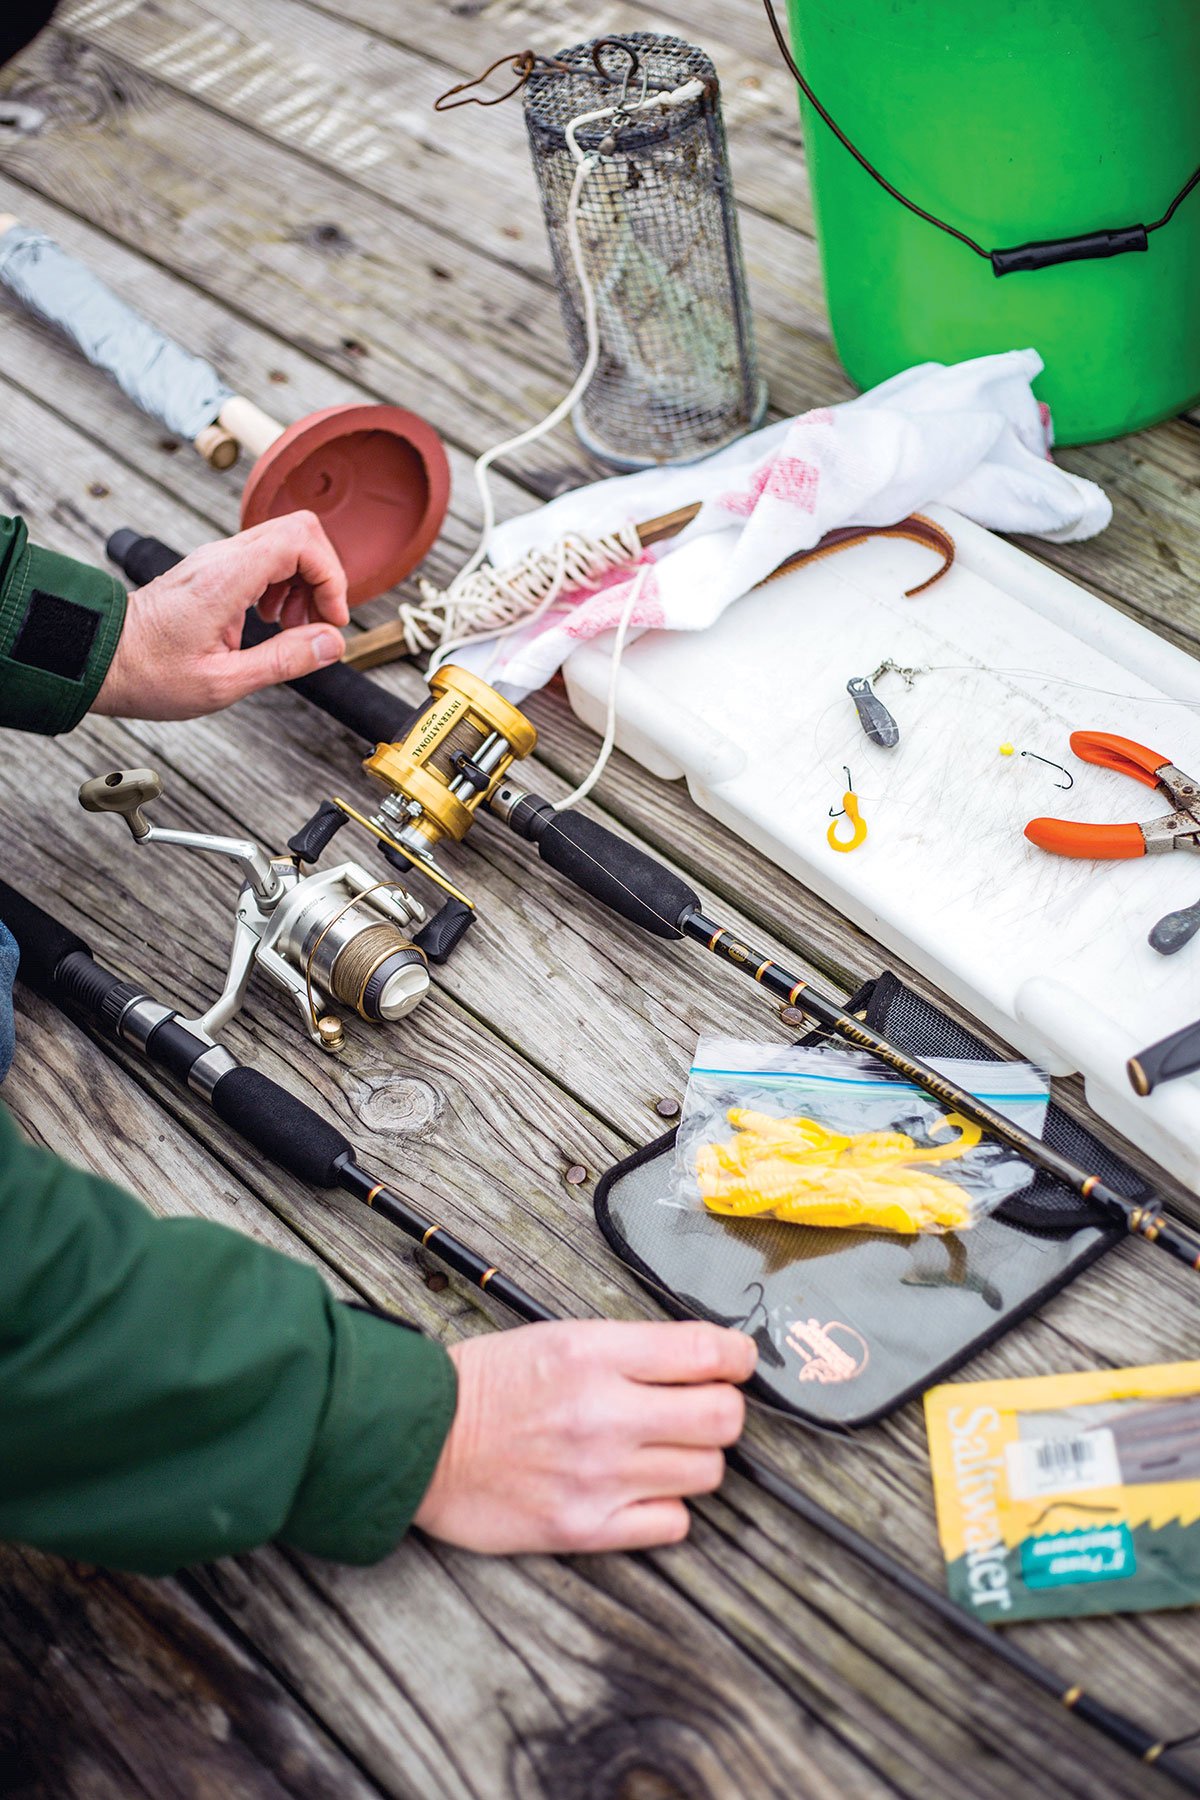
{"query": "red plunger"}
(376, 477)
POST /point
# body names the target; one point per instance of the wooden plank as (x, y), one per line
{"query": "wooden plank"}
(665, 816)
(705, 846)
(272, 796)
(155, 174)
(314, 1627)
(1145, 561)
(393, 1718)
(546, 1262)
(348, 99)
(610, 1666)
(113, 1687)
(227, 767)
(565, 1678)
(867, 1693)
(502, 337)
(43, 365)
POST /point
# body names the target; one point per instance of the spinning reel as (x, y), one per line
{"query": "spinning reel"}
(337, 935)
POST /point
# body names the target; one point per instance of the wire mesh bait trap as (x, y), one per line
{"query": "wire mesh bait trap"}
(676, 376)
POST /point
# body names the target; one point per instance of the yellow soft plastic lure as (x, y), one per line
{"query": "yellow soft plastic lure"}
(798, 1170)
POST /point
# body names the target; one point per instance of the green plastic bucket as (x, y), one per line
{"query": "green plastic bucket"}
(1016, 122)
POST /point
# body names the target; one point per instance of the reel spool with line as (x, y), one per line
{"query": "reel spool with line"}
(375, 475)
(338, 935)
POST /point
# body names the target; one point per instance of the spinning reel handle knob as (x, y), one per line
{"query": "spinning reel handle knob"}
(124, 791)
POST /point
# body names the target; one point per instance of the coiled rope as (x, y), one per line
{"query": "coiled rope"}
(481, 602)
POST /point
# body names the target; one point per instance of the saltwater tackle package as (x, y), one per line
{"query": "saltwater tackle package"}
(1061, 1495)
(830, 1138)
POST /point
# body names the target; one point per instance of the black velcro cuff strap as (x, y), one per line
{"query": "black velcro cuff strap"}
(60, 622)
(56, 635)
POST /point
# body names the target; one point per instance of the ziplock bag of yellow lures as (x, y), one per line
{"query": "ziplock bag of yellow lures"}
(1062, 1495)
(833, 1138)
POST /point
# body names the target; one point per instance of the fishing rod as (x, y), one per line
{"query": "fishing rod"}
(647, 894)
(448, 760)
(57, 964)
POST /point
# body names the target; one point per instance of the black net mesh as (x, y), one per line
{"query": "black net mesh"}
(849, 1325)
(677, 376)
(895, 1012)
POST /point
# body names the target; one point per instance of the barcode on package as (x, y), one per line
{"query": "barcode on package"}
(1062, 1465)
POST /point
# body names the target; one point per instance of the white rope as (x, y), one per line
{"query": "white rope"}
(614, 674)
(483, 603)
(519, 596)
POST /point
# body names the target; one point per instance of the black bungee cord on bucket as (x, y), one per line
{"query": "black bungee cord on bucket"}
(58, 965)
(1110, 241)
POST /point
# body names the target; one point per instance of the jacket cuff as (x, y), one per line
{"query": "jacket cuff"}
(60, 622)
(391, 1403)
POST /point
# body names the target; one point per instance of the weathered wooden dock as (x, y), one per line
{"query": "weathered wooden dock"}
(271, 185)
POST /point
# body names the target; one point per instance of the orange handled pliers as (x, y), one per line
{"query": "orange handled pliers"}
(1178, 830)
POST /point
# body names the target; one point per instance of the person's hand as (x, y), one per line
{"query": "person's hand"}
(179, 654)
(586, 1435)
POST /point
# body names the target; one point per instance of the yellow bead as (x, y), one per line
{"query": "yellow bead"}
(1007, 750)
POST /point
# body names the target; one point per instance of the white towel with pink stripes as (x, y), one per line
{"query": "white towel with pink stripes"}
(971, 435)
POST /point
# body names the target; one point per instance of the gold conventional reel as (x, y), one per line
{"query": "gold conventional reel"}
(452, 759)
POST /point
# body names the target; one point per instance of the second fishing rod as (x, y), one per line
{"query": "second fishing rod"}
(58, 965)
(446, 760)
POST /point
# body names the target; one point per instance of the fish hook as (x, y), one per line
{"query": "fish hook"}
(1064, 785)
(840, 813)
(850, 811)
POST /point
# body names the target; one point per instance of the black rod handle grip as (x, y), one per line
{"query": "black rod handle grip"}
(348, 696)
(611, 870)
(44, 944)
(143, 559)
(58, 964)
(1167, 1060)
(280, 1125)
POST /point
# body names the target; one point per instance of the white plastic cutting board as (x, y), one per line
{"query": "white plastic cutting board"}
(1051, 952)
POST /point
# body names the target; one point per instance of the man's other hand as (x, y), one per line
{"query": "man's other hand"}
(586, 1435)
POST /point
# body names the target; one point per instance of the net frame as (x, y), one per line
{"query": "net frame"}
(678, 375)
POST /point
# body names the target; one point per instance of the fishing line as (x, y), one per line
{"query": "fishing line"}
(610, 719)
(455, 594)
(910, 675)
(484, 598)
(474, 603)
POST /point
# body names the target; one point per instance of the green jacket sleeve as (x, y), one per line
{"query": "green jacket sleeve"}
(172, 1391)
(59, 625)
